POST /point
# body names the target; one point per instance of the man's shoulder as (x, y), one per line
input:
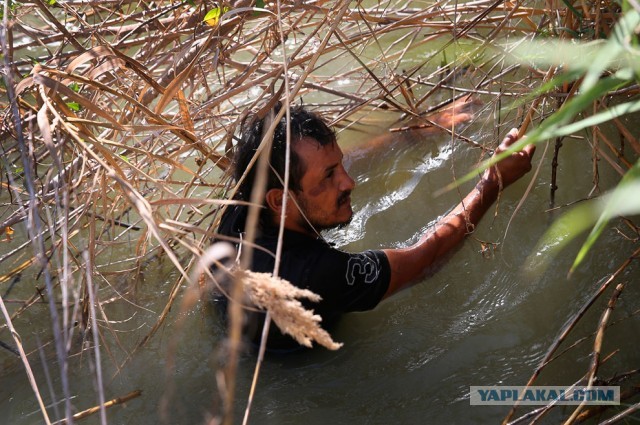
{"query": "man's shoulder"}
(301, 248)
(345, 281)
(298, 252)
(292, 242)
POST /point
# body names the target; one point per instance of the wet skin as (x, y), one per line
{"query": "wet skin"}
(325, 197)
(324, 202)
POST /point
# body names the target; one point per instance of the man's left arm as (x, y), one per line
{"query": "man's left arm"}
(410, 264)
(456, 114)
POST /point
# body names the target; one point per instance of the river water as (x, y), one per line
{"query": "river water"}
(482, 319)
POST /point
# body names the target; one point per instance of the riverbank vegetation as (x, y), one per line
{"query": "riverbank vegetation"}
(119, 118)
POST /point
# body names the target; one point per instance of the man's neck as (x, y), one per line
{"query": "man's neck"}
(294, 226)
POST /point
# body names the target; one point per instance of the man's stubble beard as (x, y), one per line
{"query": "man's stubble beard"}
(318, 226)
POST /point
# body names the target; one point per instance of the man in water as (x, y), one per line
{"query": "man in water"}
(320, 199)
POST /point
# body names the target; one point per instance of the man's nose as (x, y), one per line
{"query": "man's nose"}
(346, 183)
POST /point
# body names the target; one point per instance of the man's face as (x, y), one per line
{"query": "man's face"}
(326, 187)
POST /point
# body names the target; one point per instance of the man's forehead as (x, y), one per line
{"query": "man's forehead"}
(313, 153)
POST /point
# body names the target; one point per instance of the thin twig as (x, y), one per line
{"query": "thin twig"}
(113, 402)
(597, 347)
(25, 362)
(572, 323)
(95, 333)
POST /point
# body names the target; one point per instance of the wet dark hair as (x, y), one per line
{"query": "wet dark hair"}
(302, 124)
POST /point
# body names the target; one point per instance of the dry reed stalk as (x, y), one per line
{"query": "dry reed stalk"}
(613, 163)
(571, 324)
(537, 414)
(95, 333)
(262, 173)
(581, 340)
(597, 347)
(554, 172)
(622, 415)
(29, 207)
(25, 362)
(307, 330)
(92, 410)
(235, 311)
(598, 410)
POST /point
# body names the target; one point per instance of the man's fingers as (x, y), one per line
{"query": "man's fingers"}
(512, 137)
(509, 139)
(530, 150)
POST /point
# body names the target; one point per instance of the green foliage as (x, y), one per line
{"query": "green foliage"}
(33, 60)
(618, 46)
(595, 214)
(619, 53)
(212, 18)
(12, 8)
(74, 106)
(604, 66)
(75, 87)
(623, 200)
(573, 10)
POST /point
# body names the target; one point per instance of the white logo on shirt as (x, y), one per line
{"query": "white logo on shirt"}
(362, 265)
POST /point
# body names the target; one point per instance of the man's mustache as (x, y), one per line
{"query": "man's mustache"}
(343, 198)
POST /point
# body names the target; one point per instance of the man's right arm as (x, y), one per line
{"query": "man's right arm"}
(410, 264)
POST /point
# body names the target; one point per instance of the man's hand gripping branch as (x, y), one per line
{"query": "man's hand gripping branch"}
(410, 264)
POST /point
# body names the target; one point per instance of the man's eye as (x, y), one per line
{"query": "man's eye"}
(329, 174)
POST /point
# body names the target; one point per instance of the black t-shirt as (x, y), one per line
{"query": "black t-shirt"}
(346, 282)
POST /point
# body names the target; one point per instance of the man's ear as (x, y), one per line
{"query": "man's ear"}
(274, 200)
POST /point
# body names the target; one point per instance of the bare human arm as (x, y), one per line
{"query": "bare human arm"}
(418, 130)
(408, 265)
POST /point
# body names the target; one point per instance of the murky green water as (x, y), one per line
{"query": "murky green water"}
(480, 320)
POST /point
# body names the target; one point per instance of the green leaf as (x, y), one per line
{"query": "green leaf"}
(553, 84)
(625, 199)
(12, 7)
(573, 9)
(75, 87)
(260, 4)
(616, 46)
(74, 106)
(549, 128)
(574, 55)
(599, 118)
(212, 18)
